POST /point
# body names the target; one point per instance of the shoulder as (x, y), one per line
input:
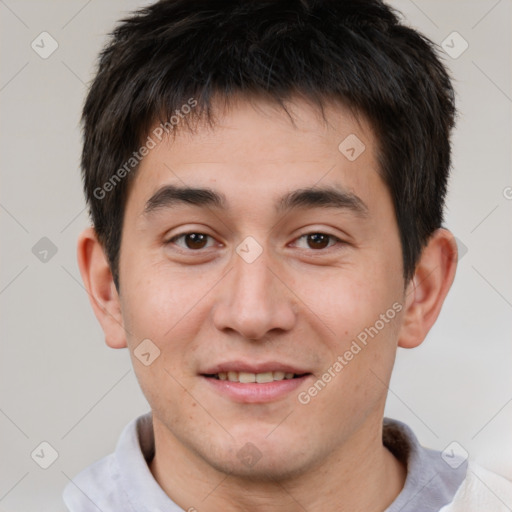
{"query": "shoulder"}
(481, 490)
(435, 484)
(94, 488)
(115, 482)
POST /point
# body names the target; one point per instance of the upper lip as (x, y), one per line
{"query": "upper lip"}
(253, 367)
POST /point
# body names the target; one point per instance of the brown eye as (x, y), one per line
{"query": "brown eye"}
(318, 240)
(193, 241)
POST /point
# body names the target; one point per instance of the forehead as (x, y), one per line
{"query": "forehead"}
(257, 148)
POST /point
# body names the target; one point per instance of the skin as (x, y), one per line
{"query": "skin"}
(296, 303)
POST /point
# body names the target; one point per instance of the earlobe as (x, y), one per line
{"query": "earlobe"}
(99, 283)
(428, 288)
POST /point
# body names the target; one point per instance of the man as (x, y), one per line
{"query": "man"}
(266, 181)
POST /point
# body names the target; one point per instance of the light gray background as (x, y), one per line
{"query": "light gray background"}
(59, 381)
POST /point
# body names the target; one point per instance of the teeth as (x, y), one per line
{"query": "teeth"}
(264, 377)
(247, 378)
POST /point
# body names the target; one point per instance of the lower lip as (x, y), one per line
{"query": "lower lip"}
(254, 393)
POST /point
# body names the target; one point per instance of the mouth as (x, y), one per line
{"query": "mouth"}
(250, 384)
(250, 378)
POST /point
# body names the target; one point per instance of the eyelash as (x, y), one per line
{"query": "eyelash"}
(337, 241)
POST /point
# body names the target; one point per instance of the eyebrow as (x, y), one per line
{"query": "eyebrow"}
(170, 196)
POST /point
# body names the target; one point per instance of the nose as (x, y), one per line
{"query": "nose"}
(254, 299)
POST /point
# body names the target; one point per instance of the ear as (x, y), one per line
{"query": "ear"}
(100, 286)
(428, 288)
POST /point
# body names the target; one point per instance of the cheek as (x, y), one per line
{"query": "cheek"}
(355, 301)
(169, 308)
(159, 301)
(364, 311)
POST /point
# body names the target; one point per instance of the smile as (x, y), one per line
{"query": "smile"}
(255, 388)
(260, 378)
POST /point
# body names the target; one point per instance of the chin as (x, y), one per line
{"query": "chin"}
(274, 468)
(255, 457)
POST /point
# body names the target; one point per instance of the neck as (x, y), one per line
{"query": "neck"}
(361, 475)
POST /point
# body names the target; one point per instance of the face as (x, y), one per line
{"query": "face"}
(287, 263)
